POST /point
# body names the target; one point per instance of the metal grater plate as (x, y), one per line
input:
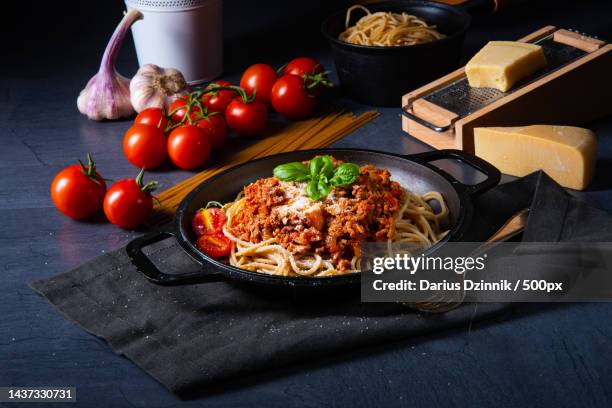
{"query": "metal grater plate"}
(460, 98)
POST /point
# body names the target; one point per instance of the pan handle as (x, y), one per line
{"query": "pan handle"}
(493, 175)
(145, 266)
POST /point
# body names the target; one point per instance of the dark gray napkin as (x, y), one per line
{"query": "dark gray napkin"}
(192, 337)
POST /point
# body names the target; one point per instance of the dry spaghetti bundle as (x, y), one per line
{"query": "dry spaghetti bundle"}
(386, 29)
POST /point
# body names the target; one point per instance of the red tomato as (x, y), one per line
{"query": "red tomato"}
(218, 101)
(303, 65)
(128, 203)
(178, 114)
(208, 221)
(246, 118)
(310, 67)
(259, 79)
(290, 98)
(178, 108)
(215, 246)
(188, 147)
(78, 191)
(152, 116)
(214, 128)
(145, 146)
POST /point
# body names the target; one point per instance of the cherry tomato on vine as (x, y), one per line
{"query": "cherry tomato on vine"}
(152, 116)
(246, 118)
(258, 79)
(178, 108)
(208, 221)
(145, 146)
(291, 99)
(303, 65)
(128, 203)
(311, 71)
(215, 246)
(218, 101)
(214, 129)
(188, 147)
(78, 191)
(178, 114)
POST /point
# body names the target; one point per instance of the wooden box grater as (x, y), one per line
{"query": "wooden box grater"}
(574, 88)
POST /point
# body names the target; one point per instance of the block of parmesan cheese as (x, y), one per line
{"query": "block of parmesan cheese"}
(567, 154)
(500, 64)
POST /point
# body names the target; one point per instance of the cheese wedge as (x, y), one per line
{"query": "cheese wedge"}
(500, 64)
(567, 154)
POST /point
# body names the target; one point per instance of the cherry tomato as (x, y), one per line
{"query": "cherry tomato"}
(152, 116)
(208, 221)
(188, 147)
(215, 246)
(178, 108)
(218, 101)
(78, 191)
(145, 146)
(259, 79)
(303, 65)
(214, 129)
(246, 118)
(291, 99)
(178, 114)
(308, 67)
(128, 203)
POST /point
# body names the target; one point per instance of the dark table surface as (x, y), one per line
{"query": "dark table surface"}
(538, 355)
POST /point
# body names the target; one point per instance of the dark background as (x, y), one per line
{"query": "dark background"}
(60, 36)
(537, 355)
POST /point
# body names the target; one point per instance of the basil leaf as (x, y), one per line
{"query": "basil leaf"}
(323, 187)
(317, 189)
(295, 171)
(345, 175)
(312, 190)
(328, 167)
(321, 165)
(321, 175)
(316, 164)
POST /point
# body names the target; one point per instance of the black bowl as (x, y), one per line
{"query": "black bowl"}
(379, 76)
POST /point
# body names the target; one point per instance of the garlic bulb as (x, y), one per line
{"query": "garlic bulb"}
(107, 94)
(155, 87)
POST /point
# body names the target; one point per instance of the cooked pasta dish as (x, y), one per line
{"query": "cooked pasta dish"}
(313, 224)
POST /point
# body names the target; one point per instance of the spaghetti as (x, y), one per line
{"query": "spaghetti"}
(386, 29)
(294, 236)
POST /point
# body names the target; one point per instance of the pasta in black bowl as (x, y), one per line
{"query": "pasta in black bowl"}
(419, 42)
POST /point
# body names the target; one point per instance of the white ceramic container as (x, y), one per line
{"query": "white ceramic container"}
(182, 34)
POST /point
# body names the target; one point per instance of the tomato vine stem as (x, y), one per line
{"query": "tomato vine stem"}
(148, 188)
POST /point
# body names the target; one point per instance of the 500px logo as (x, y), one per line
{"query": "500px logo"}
(412, 264)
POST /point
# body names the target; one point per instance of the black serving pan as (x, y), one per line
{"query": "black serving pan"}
(379, 76)
(414, 172)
